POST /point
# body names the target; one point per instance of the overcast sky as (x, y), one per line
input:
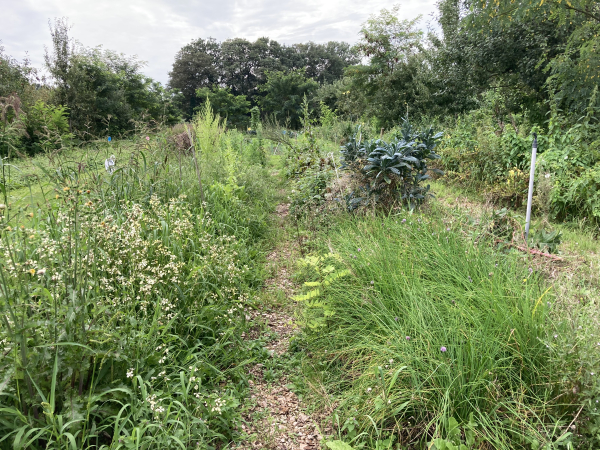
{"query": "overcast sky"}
(155, 30)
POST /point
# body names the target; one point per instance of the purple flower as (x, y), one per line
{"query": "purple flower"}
(372, 282)
(403, 220)
(396, 319)
(530, 270)
(448, 229)
(443, 349)
(408, 338)
(359, 249)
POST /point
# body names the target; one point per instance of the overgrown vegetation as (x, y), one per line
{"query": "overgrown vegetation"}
(128, 266)
(124, 294)
(424, 328)
(428, 329)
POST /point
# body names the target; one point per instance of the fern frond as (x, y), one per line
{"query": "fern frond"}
(310, 294)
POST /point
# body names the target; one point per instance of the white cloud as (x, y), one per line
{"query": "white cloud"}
(156, 29)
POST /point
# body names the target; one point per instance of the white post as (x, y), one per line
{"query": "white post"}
(530, 192)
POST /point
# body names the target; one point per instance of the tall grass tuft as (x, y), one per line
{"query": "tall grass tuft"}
(430, 327)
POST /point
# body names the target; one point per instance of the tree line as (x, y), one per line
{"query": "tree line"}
(528, 56)
(93, 91)
(241, 67)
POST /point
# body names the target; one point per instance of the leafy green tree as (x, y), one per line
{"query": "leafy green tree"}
(479, 52)
(332, 94)
(165, 105)
(58, 61)
(392, 81)
(104, 92)
(245, 64)
(238, 68)
(107, 88)
(235, 108)
(575, 73)
(284, 94)
(196, 65)
(324, 63)
(242, 65)
(526, 50)
(560, 11)
(13, 76)
(21, 81)
(45, 127)
(389, 41)
(25, 119)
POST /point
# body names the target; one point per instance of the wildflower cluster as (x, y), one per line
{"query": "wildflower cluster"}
(118, 282)
(154, 404)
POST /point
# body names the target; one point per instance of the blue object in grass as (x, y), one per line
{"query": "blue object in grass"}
(109, 139)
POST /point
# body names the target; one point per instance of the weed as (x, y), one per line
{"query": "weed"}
(430, 327)
(123, 297)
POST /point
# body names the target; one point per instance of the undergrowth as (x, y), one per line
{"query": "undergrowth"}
(430, 334)
(123, 295)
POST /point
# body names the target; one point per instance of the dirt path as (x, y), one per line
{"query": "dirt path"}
(276, 419)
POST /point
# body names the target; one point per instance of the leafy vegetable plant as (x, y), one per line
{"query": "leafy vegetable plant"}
(394, 171)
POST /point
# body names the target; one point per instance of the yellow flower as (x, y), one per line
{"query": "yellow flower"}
(524, 280)
(30, 215)
(66, 188)
(31, 237)
(57, 196)
(31, 271)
